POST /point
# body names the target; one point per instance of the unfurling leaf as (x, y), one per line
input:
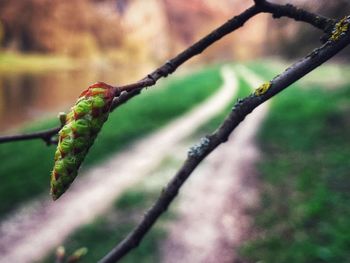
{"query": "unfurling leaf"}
(78, 133)
(77, 255)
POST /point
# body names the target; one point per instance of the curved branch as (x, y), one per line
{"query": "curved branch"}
(197, 153)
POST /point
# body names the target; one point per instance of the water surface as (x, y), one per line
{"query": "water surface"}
(27, 96)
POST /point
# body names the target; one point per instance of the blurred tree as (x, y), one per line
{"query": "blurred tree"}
(77, 28)
(293, 39)
(1, 32)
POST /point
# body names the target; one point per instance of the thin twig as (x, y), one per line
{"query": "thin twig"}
(197, 153)
(196, 49)
(45, 135)
(131, 90)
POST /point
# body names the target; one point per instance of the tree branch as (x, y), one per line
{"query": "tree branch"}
(45, 135)
(131, 90)
(196, 49)
(169, 67)
(197, 153)
(298, 14)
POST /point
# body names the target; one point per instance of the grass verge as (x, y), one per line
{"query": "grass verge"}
(130, 206)
(104, 232)
(25, 166)
(305, 144)
(212, 124)
(101, 235)
(14, 62)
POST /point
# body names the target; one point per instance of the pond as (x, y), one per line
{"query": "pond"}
(27, 96)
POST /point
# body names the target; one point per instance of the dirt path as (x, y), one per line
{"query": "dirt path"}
(212, 206)
(42, 225)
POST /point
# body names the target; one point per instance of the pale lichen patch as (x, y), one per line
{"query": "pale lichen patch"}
(262, 89)
(198, 149)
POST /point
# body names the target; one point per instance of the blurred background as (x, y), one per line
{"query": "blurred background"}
(50, 50)
(53, 43)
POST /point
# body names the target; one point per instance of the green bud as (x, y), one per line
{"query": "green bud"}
(66, 144)
(56, 184)
(57, 154)
(60, 168)
(65, 131)
(98, 102)
(80, 129)
(98, 90)
(80, 143)
(77, 255)
(70, 162)
(80, 156)
(70, 117)
(96, 124)
(82, 108)
(67, 180)
(82, 126)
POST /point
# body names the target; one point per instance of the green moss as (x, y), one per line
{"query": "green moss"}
(340, 28)
(262, 89)
(305, 144)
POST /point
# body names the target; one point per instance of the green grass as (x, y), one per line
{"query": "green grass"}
(267, 69)
(130, 206)
(329, 74)
(103, 234)
(211, 125)
(304, 172)
(106, 231)
(25, 166)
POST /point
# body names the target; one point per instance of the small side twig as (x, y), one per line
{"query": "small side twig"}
(208, 144)
(46, 136)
